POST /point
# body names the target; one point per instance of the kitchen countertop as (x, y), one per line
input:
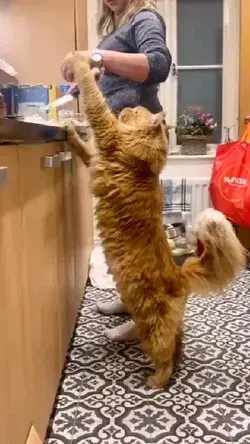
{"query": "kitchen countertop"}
(13, 131)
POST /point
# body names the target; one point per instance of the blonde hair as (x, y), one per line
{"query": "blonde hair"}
(108, 22)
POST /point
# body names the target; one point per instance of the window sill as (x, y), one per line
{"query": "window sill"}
(185, 157)
(174, 155)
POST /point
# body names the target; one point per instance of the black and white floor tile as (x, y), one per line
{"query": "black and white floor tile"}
(103, 398)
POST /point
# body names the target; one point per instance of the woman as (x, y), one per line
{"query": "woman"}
(133, 59)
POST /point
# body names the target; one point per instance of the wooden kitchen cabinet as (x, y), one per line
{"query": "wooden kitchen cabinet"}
(244, 96)
(45, 243)
(243, 234)
(15, 399)
(40, 255)
(45, 237)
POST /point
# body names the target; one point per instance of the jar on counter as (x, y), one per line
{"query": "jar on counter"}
(2, 106)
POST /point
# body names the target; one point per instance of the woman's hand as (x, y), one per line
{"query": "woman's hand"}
(67, 66)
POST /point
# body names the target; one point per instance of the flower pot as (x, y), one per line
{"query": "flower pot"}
(194, 145)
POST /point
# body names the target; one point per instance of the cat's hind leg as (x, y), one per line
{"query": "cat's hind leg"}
(178, 349)
(165, 369)
(159, 339)
(161, 377)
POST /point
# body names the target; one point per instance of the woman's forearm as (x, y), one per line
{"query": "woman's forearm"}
(133, 66)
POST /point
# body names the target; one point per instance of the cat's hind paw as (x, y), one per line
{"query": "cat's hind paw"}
(160, 379)
(153, 383)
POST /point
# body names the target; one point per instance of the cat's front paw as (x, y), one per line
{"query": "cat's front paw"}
(81, 65)
(81, 59)
(73, 62)
(70, 131)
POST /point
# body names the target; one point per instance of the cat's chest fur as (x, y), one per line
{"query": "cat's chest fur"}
(128, 212)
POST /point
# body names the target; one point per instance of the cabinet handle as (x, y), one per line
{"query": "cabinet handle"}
(66, 156)
(51, 161)
(3, 176)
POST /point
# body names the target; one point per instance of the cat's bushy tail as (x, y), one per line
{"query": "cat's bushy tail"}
(222, 259)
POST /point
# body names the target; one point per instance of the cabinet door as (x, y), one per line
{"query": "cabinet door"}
(244, 236)
(244, 64)
(83, 224)
(40, 240)
(66, 247)
(14, 363)
(75, 238)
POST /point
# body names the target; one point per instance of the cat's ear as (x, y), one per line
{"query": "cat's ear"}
(157, 119)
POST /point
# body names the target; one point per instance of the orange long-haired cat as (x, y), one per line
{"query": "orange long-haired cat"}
(130, 154)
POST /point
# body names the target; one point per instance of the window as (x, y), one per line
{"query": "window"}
(203, 36)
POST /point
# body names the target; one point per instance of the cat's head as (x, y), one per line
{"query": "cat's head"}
(149, 131)
(140, 117)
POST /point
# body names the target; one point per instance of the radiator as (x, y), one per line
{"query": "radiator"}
(188, 196)
(200, 196)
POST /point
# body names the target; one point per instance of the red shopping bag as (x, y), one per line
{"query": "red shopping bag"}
(230, 182)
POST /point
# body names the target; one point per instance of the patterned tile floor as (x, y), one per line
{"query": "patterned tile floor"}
(103, 397)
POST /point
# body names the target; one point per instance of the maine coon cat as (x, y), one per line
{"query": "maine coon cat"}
(130, 154)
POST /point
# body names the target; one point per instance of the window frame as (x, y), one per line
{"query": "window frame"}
(168, 90)
(92, 13)
(230, 71)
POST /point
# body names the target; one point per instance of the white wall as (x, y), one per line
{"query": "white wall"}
(189, 166)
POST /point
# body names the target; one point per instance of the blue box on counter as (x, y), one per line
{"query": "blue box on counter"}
(63, 89)
(26, 100)
(8, 92)
(29, 99)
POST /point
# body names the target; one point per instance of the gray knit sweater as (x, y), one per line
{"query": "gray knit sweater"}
(145, 33)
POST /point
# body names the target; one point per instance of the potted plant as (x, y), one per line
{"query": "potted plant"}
(194, 130)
